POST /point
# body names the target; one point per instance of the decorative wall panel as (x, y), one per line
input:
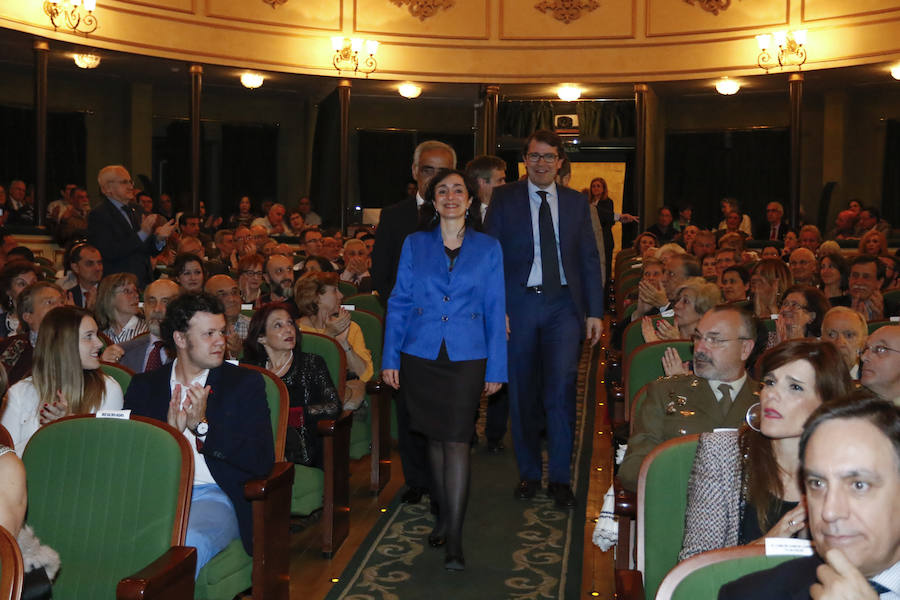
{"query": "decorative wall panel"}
(521, 20)
(832, 9)
(465, 19)
(676, 17)
(185, 6)
(305, 14)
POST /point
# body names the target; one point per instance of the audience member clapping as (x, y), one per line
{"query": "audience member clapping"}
(800, 314)
(768, 282)
(66, 378)
(693, 298)
(356, 265)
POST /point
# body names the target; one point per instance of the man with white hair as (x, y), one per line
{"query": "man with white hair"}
(847, 330)
(357, 261)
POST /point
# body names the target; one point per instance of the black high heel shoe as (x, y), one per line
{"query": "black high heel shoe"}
(436, 541)
(455, 562)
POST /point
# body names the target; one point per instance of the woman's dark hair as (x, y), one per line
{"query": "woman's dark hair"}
(637, 240)
(12, 270)
(181, 261)
(428, 216)
(840, 263)
(742, 272)
(254, 352)
(324, 264)
(21, 253)
(816, 302)
(761, 471)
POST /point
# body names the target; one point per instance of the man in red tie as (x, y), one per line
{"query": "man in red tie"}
(147, 352)
(774, 226)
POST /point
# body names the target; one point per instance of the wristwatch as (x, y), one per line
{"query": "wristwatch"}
(201, 429)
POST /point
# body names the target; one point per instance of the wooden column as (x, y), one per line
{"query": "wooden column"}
(41, 55)
(489, 125)
(196, 93)
(344, 152)
(796, 86)
(640, 154)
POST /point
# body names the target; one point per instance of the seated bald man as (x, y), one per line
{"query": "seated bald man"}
(880, 361)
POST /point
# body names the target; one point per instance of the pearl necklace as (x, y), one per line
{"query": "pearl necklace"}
(283, 367)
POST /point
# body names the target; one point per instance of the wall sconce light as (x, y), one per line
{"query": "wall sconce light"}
(346, 54)
(88, 60)
(727, 87)
(568, 92)
(77, 15)
(791, 49)
(895, 72)
(251, 81)
(409, 90)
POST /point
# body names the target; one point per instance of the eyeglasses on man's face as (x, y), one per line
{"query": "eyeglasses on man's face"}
(534, 157)
(712, 340)
(879, 350)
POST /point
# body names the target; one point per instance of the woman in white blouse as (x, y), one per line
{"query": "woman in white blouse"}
(66, 377)
(117, 308)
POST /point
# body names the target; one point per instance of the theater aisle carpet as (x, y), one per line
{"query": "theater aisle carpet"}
(517, 549)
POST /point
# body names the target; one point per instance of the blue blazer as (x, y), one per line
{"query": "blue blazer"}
(509, 220)
(239, 446)
(465, 308)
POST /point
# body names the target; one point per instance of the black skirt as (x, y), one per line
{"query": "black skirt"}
(442, 395)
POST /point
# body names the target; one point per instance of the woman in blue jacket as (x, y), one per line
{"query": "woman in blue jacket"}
(445, 339)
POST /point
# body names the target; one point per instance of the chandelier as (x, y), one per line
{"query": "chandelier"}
(77, 15)
(791, 50)
(347, 54)
(87, 60)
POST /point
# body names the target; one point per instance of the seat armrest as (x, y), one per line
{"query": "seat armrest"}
(281, 476)
(626, 503)
(171, 576)
(376, 385)
(336, 493)
(331, 428)
(629, 584)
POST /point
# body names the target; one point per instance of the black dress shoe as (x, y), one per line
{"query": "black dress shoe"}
(436, 541)
(412, 495)
(455, 562)
(526, 489)
(495, 446)
(562, 495)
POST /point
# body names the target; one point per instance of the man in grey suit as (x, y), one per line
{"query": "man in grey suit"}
(148, 352)
(718, 395)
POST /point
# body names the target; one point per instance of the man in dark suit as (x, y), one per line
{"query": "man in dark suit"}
(86, 264)
(553, 281)
(148, 352)
(221, 410)
(125, 240)
(850, 467)
(397, 221)
(775, 225)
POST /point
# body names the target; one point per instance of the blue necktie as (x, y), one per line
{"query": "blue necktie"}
(879, 589)
(550, 281)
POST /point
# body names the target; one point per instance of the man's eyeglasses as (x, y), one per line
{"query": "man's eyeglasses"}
(879, 350)
(534, 157)
(252, 273)
(123, 181)
(714, 341)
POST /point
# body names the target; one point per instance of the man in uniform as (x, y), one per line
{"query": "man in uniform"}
(718, 395)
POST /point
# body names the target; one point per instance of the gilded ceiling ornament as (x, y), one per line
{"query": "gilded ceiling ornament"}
(567, 10)
(713, 6)
(274, 3)
(424, 8)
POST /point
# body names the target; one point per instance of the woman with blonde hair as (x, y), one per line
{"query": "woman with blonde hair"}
(117, 309)
(768, 281)
(66, 378)
(692, 299)
(873, 242)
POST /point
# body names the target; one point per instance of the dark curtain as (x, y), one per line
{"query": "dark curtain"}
(519, 118)
(890, 191)
(704, 167)
(249, 165)
(324, 187)
(66, 138)
(606, 120)
(382, 182)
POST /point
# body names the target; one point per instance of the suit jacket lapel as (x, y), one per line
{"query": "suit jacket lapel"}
(524, 209)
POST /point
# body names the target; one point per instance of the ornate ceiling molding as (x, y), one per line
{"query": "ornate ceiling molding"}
(424, 8)
(274, 3)
(567, 10)
(713, 6)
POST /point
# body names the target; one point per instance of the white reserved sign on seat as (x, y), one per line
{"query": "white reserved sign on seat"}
(788, 547)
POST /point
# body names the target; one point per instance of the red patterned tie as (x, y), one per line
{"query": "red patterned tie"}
(154, 361)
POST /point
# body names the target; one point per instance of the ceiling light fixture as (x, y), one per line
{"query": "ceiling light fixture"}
(568, 92)
(791, 49)
(86, 61)
(77, 15)
(251, 81)
(346, 54)
(409, 90)
(727, 87)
